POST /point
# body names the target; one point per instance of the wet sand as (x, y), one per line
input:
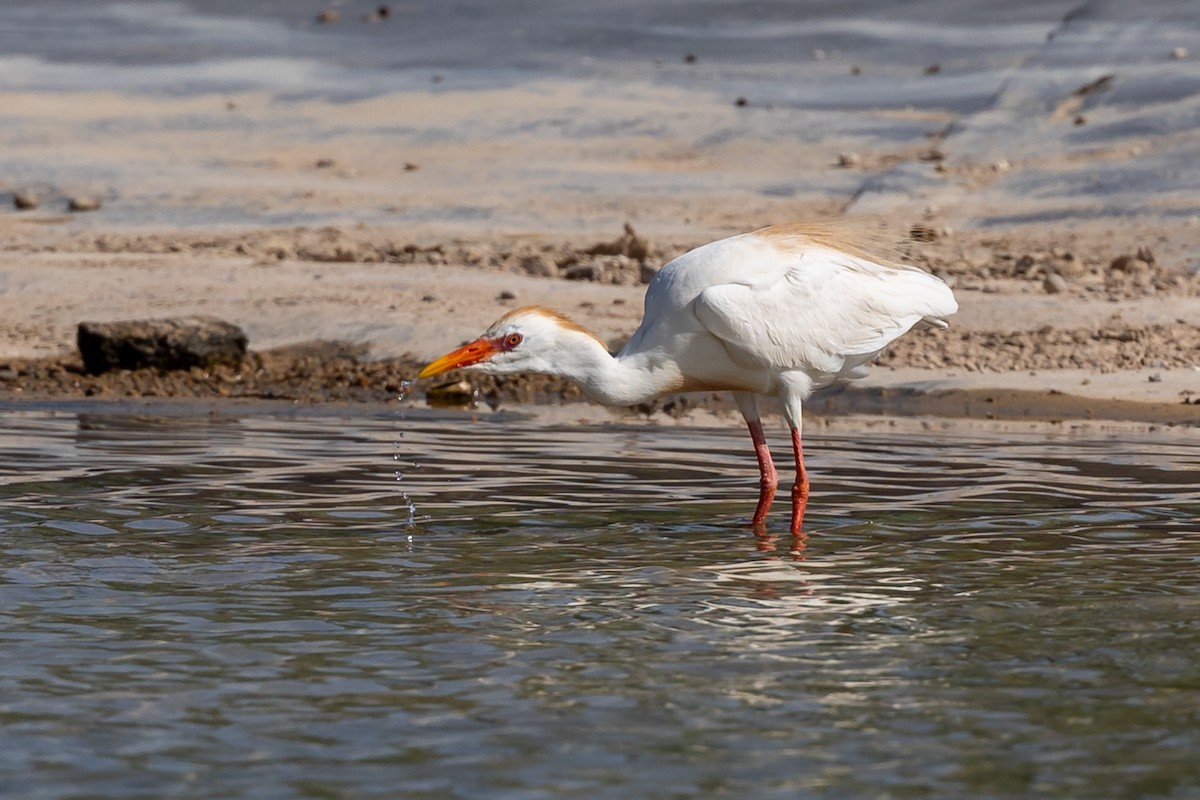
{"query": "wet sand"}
(378, 307)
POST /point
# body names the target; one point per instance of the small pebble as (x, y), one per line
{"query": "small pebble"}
(428, 298)
(848, 160)
(25, 201)
(411, 167)
(933, 69)
(1179, 53)
(327, 16)
(1155, 378)
(690, 58)
(325, 163)
(741, 102)
(1055, 283)
(80, 204)
(506, 295)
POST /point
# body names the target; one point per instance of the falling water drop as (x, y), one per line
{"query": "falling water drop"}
(411, 522)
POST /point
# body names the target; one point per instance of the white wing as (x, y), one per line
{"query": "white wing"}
(819, 310)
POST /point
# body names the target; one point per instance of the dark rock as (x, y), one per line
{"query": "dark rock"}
(25, 201)
(178, 343)
(506, 295)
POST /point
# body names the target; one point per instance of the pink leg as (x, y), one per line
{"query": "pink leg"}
(768, 478)
(800, 490)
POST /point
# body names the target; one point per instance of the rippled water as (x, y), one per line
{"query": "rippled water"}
(212, 606)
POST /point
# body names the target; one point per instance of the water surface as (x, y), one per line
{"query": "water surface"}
(240, 608)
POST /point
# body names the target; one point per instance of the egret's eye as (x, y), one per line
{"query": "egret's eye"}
(513, 340)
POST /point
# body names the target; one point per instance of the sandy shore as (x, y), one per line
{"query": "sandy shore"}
(1119, 342)
(403, 223)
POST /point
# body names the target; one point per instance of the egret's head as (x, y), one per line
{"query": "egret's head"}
(526, 339)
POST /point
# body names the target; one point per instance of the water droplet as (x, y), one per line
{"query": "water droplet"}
(404, 385)
(398, 457)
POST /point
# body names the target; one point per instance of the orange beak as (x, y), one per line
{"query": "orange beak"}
(470, 353)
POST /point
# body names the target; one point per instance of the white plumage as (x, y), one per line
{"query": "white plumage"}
(781, 311)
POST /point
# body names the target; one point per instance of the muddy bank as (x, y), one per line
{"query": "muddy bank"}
(315, 372)
(320, 373)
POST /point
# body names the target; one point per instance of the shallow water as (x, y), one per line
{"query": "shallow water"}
(211, 606)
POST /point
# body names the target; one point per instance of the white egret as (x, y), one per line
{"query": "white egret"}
(780, 312)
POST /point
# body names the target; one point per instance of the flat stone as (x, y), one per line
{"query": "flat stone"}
(83, 203)
(1055, 283)
(178, 343)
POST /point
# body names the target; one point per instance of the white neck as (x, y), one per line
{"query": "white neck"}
(621, 381)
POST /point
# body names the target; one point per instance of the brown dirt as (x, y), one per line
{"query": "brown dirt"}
(315, 372)
(1115, 346)
(981, 265)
